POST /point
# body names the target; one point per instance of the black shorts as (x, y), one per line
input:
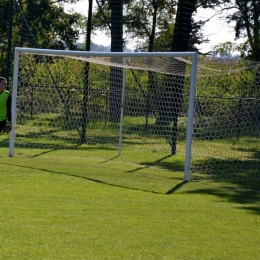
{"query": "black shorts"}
(2, 126)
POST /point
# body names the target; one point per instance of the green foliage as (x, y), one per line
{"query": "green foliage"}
(36, 24)
(240, 83)
(247, 19)
(225, 49)
(164, 37)
(141, 20)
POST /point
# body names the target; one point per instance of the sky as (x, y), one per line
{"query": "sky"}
(217, 31)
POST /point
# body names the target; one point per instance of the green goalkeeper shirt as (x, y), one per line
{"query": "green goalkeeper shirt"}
(5, 106)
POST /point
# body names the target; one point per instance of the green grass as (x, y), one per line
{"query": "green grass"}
(93, 204)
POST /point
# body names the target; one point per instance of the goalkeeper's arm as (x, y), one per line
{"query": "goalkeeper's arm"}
(8, 128)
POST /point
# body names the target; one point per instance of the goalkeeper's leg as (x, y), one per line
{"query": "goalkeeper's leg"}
(2, 126)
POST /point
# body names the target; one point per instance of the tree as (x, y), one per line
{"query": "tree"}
(172, 98)
(43, 21)
(142, 20)
(116, 74)
(5, 11)
(109, 16)
(153, 21)
(247, 19)
(146, 19)
(225, 49)
(171, 101)
(150, 20)
(51, 25)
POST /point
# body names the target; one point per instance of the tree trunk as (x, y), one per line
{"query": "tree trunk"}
(172, 98)
(150, 99)
(86, 78)
(116, 74)
(256, 28)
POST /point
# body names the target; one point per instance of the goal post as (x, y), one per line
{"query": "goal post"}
(48, 87)
(193, 81)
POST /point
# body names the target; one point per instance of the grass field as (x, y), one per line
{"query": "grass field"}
(62, 204)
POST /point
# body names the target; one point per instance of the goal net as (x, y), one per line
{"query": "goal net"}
(142, 102)
(113, 101)
(226, 136)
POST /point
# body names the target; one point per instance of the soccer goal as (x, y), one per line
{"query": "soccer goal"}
(177, 111)
(123, 101)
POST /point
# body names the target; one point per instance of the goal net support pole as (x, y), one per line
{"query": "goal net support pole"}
(121, 115)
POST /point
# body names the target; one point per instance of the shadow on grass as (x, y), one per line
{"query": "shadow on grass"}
(245, 187)
(169, 162)
(177, 187)
(240, 179)
(245, 195)
(42, 153)
(255, 152)
(52, 146)
(4, 142)
(173, 165)
(225, 170)
(111, 159)
(85, 178)
(68, 139)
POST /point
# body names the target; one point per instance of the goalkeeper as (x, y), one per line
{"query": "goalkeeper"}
(5, 107)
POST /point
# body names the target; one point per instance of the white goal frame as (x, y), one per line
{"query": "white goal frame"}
(193, 80)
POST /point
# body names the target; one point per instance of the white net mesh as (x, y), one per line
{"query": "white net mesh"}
(66, 102)
(227, 120)
(52, 110)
